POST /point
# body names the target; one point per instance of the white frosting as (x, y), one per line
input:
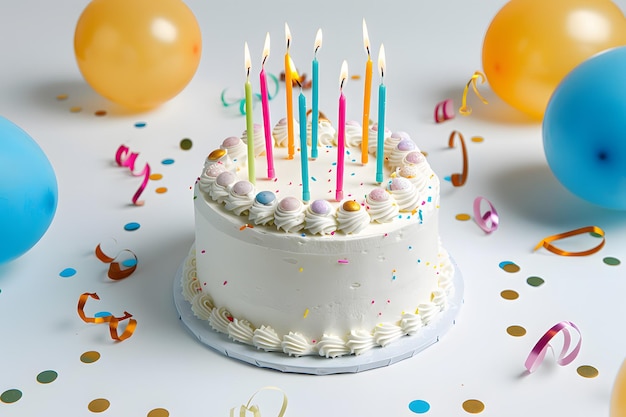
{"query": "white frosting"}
(354, 134)
(373, 140)
(202, 306)
(322, 222)
(332, 346)
(241, 331)
(352, 221)
(259, 140)
(236, 149)
(381, 206)
(289, 217)
(240, 197)
(281, 138)
(262, 214)
(326, 133)
(208, 176)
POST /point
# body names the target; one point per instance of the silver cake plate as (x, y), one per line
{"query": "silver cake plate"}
(403, 348)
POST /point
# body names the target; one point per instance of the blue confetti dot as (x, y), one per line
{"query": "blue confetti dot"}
(419, 406)
(67, 272)
(168, 161)
(128, 263)
(132, 226)
(447, 178)
(140, 124)
(102, 314)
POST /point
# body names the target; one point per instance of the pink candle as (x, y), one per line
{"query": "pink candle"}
(269, 153)
(341, 132)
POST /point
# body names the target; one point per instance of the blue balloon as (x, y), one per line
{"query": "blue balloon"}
(28, 192)
(584, 130)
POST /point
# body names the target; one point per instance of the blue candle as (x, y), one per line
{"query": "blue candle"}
(304, 159)
(382, 98)
(315, 87)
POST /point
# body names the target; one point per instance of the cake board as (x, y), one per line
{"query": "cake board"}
(403, 348)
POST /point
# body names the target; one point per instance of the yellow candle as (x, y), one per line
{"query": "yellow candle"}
(366, 96)
(289, 94)
(249, 119)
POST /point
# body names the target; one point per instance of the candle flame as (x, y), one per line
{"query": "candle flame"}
(246, 53)
(318, 40)
(287, 36)
(266, 47)
(381, 60)
(293, 70)
(344, 74)
(366, 38)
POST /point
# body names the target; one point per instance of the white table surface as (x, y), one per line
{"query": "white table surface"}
(432, 50)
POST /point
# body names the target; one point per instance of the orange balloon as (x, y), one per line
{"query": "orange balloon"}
(618, 398)
(531, 45)
(137, 53)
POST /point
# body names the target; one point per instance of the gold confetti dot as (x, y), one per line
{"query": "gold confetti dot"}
(509, 295)
(301, 269)
(516, 331)
(355, 77)
(473, 406)
(306, 313)
(161, 190)
(463, 217)
(156, 177)
(100, 113)
(477, 139)
(90, 356)
(98, 405)
(587, 371)
(61, 97)
(159, 412)
(76, 109)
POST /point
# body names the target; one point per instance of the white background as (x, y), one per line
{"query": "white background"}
(432, 48)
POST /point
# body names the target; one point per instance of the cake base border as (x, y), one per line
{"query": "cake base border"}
(403, 348)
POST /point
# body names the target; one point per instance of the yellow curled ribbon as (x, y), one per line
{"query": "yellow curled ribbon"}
(243, 410)
(547, 241)
(112, 320)
(466, 110)
(459, 179)
(115, 270)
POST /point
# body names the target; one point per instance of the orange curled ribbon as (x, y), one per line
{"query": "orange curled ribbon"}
(444, 111)
(112, 320)
(466, 110)
(459, 179)
(115, 268)
(243, 410)
(547, 241)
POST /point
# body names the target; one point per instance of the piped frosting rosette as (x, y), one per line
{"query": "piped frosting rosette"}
(332, 346)
(263, 208)
(319, 218)
(241, 330)
(289, 215)
(294, 344)
(404, 193)
(415, 169)
(240, 197)
(235, 148)
(326, 133)
(352, 218)
(373, 138)
(219, 156)
(279, 132)
(220, 189)
(381, 206)
(396, 157)
(354, 134)
(202, 306)
(266, 338)
(208, 176)
(259, 140)
(360, 341)
(392, 141)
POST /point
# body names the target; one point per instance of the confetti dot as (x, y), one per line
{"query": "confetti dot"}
(477, 139)
(419, 406)
(156, 177)
(463, 217)
(167, 161)
(98, 405)
(509, 295)
(62, 97)
(90, 356)
(67, 272)
(129, 263)
(102, 314)
(159, 412)
(516, 331)
(535, 281)
(609, 260)
(587, 371)
(509, 266)
(76, 109)
(47, 377)
(186, 144)
(100, 113)
(10, 396)
(161, 190)
(473, 406)
(132, 226)
(140, 124)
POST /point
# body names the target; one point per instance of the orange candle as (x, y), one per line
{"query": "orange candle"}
(289, 94)
(366, 96)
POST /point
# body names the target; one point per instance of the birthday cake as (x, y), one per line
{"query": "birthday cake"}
(318, 277)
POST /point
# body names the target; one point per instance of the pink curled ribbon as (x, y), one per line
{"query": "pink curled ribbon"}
(535, 358)
(125, 158)
(444, 110)
(488, 221)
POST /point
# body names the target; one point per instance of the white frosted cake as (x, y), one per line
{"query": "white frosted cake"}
(319, 277)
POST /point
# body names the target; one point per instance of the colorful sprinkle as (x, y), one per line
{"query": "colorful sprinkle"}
(100, 113)
(140, 124)
(609, 260)
(343, 261)
(535, 281)
(98, 405)
(90, 356)
(587, 371)
(186, 144)
(477, 139)
(10, 396)
(156, 177)
(161, 190)
(419, 406)
(509, 266)
(516, 331)
(67, 272)
(301, 269)
(509, 295)
(306, 313)
(463, 217)
(473, 406)
(76, 109)
(47, 377)
(167, 161)
(132, 226)
(225, 282)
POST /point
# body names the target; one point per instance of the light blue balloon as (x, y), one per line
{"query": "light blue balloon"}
(584, 130)
(28, 192)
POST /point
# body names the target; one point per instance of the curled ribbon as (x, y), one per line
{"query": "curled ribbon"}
(112, 320)
(459, 179)
(255, 97)
(547, 241)
(444, 111)
(488, 221)
(538, 352)
(125, 158)
(466, 110)
(115, 270)
(243, 410)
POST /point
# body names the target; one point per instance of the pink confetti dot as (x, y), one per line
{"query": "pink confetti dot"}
(225, 282)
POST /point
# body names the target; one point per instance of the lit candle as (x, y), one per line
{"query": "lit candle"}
(304, 159)
(341, 133)
(382, 98)
(366, 96)
(289, 93)
(269, 153)
(249, 120)
(315, 110)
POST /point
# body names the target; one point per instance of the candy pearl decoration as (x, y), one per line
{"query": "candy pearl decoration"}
(321, 207)
(406, 145)
(351, 205)
(243, 187)
(414, 158)
(216, 154)
(290, 204)
(379, 194)
(225, 178)
(214, 170)
(400, 184)
(400, 135)
(265, 197)
(231, 141)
